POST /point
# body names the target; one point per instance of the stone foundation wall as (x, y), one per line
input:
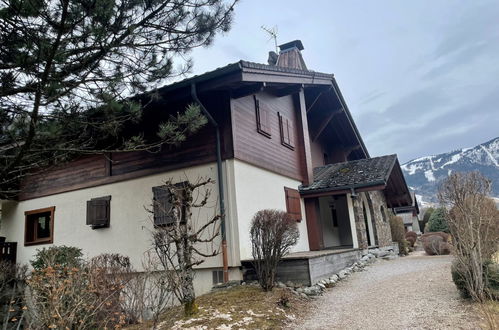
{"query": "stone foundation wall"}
(381, 224)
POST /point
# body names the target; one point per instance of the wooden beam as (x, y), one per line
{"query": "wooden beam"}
(341, 191)
(280, 92)
(315, 96)
(325, 123)
(247, 90)
(349, 149)
(304, 145)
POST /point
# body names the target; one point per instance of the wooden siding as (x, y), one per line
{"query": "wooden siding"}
(94, 170)
(259, 150)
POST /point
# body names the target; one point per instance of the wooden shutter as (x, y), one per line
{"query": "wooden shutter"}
(286, 128)
(262, 118)
(293, 204)
(99, 212)
(162, 206)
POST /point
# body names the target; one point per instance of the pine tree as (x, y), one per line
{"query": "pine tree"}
(68, 68)
(437, 221)
(426, 218)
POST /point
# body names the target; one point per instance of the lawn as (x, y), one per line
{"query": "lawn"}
(240, 307)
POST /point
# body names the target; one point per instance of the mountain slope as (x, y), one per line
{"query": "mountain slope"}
(424, 174)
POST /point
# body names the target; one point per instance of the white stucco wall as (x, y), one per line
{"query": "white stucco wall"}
(330, 234)
(248, 190)
(257, 189)
(129, 232)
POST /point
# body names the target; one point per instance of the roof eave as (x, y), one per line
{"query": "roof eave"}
(347, 187)
(349, 116)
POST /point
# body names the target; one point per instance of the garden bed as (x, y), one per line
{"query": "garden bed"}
(244, 306)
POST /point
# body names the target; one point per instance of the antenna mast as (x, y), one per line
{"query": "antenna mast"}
(272, 32)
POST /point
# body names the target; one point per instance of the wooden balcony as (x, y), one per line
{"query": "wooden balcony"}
(8, 251)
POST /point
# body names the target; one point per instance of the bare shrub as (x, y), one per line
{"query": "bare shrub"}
(273, 233)
(411, 234)
(444, 248)
(398, 234)
(65, 297)
(444, 236)
(147, 295)
(435, 245)
(109, 274)
(184, 243)
(411, 240)
(431, 244)
(474, 224)
(12, 303)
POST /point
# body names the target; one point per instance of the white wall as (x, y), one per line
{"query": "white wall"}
(257, 189)
(248, 190)
(330, 234)
(129, 231)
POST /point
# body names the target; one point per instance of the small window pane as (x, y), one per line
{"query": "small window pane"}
(43, 230)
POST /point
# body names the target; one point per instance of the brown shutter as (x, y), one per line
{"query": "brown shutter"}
(289, 126)
(99, 212)
(262, 118)
(286, 129)
(162, 206)
(293, 205)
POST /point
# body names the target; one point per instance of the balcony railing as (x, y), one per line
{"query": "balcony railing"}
(8, 251)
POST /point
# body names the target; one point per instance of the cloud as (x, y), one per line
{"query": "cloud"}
(443, 125)
(372, 96)
(472, 35)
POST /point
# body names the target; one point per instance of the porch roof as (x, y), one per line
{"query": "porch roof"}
(378, 173)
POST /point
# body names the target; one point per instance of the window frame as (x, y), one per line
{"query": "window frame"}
(36, 241)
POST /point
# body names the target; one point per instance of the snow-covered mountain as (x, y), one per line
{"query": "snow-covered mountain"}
(424, 174)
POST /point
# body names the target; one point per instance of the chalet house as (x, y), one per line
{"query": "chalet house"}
(410, 214)
(279, 136)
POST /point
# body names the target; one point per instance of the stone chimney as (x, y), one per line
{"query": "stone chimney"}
(290, 55)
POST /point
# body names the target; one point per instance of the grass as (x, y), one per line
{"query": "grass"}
(240, 307)
(490, 315)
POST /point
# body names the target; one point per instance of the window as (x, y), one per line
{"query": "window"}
(39, 226)
(163, 205)
(286, 128)
(293, 204)
(218, 276)
(334, 213)
(262, 118)
(99, 212)
(383, 213)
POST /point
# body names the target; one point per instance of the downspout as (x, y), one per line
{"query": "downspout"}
(220, 181)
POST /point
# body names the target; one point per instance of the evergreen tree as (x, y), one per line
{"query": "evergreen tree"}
(426, 218)
(68, 68)
(437, 221)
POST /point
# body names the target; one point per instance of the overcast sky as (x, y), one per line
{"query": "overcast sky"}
(420, 77)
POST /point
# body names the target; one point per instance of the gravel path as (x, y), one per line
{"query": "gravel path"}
(414, 292)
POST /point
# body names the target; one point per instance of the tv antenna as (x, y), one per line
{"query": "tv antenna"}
(272, 32)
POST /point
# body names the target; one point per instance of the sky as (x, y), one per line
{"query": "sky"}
(419, 77)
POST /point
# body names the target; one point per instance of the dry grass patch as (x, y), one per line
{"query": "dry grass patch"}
(490, 315)
(242, 307)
